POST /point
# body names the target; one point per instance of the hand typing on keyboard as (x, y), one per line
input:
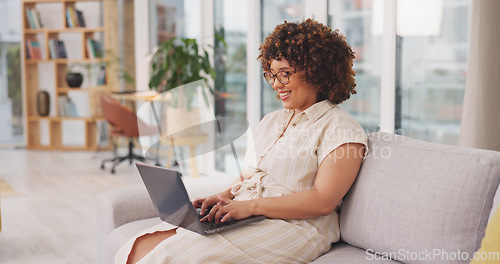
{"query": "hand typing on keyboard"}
(226, 209)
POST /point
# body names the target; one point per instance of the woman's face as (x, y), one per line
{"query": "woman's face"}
(296, 94)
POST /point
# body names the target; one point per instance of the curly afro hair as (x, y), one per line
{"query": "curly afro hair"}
(320, 52)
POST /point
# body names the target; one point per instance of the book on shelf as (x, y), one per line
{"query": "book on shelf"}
(81, 19)
(74, 17)
(37, 52)
(33, 18)
(61, 105)
(52, 49)
(33, 50)
(94, 49)
(29, 18)
(67, 108)
(61, 49)
(101, 77)
(69, 22)
(57, 49)
(29, 49)
(97, 49)
(72, 108)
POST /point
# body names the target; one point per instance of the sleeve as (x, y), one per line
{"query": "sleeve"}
(338, 133)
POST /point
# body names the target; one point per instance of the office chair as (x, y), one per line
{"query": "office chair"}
(124, 123)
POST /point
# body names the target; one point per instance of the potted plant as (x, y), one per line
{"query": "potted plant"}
(175, 64)
(178, 62)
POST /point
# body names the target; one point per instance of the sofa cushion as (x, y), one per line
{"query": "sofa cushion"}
(420, 202)
(342, 253)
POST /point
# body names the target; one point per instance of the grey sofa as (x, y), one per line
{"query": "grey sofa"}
(413, 202)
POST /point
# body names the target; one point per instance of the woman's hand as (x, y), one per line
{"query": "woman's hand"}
(209, 202)
(227, 208)
(205, 203)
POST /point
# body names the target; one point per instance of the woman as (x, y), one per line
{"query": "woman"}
(305, 159)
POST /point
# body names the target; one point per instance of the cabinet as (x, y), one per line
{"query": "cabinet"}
(45, 21)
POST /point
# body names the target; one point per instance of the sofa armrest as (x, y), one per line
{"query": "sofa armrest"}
(123, 205)
(119, 206)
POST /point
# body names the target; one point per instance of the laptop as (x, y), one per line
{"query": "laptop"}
(171, 200)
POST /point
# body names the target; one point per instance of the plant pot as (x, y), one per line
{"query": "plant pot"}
(74, 79)
(43, 103)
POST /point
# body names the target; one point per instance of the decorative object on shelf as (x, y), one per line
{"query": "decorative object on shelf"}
(74, 79)
(43, 103)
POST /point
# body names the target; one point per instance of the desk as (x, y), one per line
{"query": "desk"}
(135, 96)
(190, 141)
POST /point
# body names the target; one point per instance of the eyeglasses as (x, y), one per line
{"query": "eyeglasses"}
(282, 76)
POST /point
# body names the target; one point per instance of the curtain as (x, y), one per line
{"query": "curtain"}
(480, 125)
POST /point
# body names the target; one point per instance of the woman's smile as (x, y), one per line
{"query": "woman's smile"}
(284, 95)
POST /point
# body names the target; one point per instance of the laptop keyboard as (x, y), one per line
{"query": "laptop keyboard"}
(211, 225)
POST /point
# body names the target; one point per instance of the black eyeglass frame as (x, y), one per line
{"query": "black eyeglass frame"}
(275, 76)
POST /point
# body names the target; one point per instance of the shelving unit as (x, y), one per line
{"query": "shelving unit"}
(47, 73)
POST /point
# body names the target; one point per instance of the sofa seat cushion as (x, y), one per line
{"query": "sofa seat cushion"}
(412, 198)
(343, 253)
(118, 237)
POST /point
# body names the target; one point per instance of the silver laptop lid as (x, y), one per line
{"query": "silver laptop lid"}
(169, 196)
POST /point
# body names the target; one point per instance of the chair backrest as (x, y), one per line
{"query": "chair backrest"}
(120, 117)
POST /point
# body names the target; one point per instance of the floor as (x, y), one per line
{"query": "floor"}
(51, 217)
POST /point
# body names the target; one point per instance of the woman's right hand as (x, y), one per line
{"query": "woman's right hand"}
(209, 202)
(205, 203)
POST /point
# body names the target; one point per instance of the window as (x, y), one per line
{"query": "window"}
(432, 45)
(174, 18)
(275, 12)
(11, 102)
(231, 80)
(355, 20)
(431, 61)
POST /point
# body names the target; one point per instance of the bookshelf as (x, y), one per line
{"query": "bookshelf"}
(60, 36)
